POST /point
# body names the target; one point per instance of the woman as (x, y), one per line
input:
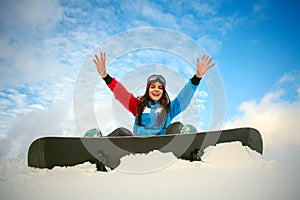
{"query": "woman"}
(153, 111)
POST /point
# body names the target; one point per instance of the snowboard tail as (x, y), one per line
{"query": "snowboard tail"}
(48, 152)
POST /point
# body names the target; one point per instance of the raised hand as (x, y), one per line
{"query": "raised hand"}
(100, 64)
(203, 65)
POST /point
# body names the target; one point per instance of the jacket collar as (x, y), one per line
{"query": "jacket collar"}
(153, 104)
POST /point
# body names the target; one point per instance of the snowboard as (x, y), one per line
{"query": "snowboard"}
(48, 152)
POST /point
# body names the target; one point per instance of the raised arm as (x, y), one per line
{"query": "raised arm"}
(183, 99)
(121, 94)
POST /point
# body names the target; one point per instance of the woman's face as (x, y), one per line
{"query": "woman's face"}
(156, 91)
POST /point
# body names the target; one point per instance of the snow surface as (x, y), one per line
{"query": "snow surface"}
(228, 171)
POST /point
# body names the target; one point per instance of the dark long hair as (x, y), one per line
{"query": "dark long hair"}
(164, 102)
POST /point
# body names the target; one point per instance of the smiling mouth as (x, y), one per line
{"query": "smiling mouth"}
(156, 94)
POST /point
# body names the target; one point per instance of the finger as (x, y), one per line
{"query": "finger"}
(95, 61)
(198, 60)
(209, 60)
(203, 57)
(206, 58)
(211, 65)
(101, 55)
(104, 56)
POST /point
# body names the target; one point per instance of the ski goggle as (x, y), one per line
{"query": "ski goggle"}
(154, 78)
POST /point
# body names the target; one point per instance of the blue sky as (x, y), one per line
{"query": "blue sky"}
(46, 44)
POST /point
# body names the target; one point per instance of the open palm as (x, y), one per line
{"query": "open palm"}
(203, 65)
(100, 64)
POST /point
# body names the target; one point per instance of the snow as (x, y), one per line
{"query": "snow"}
(228, 171)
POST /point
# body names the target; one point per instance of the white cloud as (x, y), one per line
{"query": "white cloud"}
(259, 6)
(288, 77)
(258, 11)
(212, 44)
(31, 14)
(145, 14)
(25, 56)
(34, 121)
(276, 118)
(40, 44)
(204, 8)
(37, 107)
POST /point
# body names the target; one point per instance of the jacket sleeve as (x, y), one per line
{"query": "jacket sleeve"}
(123, 96)
(184, 98)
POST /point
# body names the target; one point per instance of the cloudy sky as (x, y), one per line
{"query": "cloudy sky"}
(48, 83)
